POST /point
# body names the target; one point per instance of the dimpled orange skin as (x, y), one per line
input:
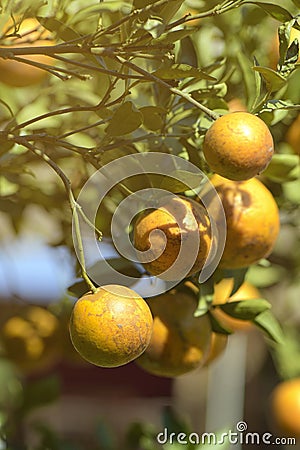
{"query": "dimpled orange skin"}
(252, 219)
(285, 407)
(238, 146)
(180, 342)
(111, 327)
(188, 213)
(222, 294)
(18, 74)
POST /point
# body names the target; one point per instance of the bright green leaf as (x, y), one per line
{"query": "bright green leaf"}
(283, 168)
(270, 325)
(245, 309)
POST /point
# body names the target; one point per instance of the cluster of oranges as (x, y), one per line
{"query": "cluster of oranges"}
(114, 325)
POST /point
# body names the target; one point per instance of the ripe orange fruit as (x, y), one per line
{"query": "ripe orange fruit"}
(222, 294)
(180, 342)
(292, 136)
(285, 407)
(217, 347)
(32, 34)
(236, 104)
(252, 220)
(30, 339)
(180, 224)
(238, 146)
(111, 327)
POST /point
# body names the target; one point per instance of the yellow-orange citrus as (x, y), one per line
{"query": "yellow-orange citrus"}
(30, 339)
(111, 327)
(180, 223)
(222, 294)
(180, 342)
(285, 407)
(217, 347)
(236, 104)
(252, 221)
(238, 146)
(30, 34)
(292, 136)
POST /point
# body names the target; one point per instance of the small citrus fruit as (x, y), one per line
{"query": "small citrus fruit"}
(222, 294)
(180, 342)
(111, 327)
(292, 136)
(30, 34)
(285, 407)
(252, 221)
(178, 237)
(30, 338)
(238, 146)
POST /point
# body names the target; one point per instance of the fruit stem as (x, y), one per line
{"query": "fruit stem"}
(75, 207)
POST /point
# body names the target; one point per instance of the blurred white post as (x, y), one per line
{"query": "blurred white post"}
(226, 386)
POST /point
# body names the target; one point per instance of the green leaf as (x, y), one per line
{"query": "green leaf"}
(283, 168)
(216, 326)
(124, 120)
(248, 77)
(60, 28)
(263, 277)
(274, 10)
(169, 10)
(274, 81)
(270, 325)
(173, 36)
(181, 181)
(139, 4)
(179, 71)
(152, 117)
(245, 309)
(7, 187)
(238, 276)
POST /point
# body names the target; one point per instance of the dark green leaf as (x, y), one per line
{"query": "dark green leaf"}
(245, 309)
(139, 4)
(60, 28)
(274, 10)
(248, 77)
(172, 422)
(178, 71)
(152, 117)
(216, 326)
(187, 53)
(283, 168)
(168, 11)
(238, 276)
(181, 180)
(270, 325)
(124, 120)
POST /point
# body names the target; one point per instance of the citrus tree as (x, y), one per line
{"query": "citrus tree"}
(167, 130)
